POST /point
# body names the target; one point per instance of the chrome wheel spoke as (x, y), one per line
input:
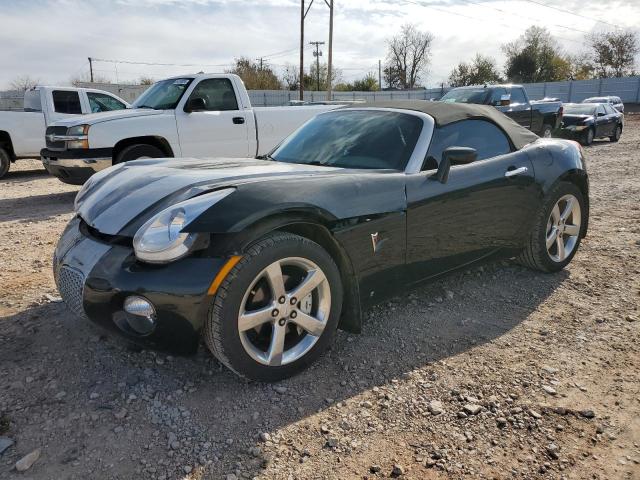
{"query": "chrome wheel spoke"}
(560, 246)
(276, 347)
(308, 323)
(567, 209)
(571, 230)
(308, 285)
(255, 318)
(555, 214)
(551, 238)
(276, 281)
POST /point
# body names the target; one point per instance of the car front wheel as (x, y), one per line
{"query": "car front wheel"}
(5, 162)
(277, 310)
(557, 231)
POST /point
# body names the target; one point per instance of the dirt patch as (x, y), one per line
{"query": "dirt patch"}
(492, 372)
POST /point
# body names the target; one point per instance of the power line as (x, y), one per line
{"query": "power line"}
(572, 13)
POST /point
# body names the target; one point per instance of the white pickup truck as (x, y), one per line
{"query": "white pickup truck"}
(22, 132)
(203, 115)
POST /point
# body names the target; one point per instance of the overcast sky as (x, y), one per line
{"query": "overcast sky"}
(51, 40)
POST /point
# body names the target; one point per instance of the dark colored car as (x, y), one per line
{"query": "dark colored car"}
(266, 258)
(615, 102)
(587, 121)
(541, 117)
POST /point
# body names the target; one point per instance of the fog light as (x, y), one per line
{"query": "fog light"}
(140, 315)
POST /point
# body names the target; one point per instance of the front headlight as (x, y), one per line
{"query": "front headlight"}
(80, 131)
(162, 240)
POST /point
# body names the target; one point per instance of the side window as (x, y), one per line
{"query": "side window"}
(496, 95)
(600, 110)
(609, 109)
(517, 96)
(65, 101)
(217, 93)
(99, 102)
(485, 137)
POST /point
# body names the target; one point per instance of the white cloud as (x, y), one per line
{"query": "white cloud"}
(51, 40)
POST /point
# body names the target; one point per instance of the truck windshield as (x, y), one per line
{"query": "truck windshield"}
(163, 95)
(370, 139)
(466, 95)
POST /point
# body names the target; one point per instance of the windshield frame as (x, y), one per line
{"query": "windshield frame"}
(140, 99)
(419, 151)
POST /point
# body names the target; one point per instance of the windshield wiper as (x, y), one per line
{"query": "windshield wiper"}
(145, 106)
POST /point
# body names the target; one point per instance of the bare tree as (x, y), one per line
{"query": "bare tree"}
(614, 53)
(145, 80)
(23, 83)
(408, 55)
(291, 76)
(83, 78)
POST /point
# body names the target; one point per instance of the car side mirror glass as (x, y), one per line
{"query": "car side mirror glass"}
(454, 156)
(196, 104)
(505, 100)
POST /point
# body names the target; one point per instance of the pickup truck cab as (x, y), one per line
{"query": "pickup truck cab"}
(22, 133)
(202, 115)
(541, 117)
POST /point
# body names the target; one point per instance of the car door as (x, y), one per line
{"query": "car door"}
(519, 108)
(603, 121)
(220, 128)
(612, 118)
(482, 207)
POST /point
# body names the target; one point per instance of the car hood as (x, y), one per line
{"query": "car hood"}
(574, 119)
(134, 191)
(93, 118)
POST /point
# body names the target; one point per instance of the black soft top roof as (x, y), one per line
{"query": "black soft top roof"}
(445, 113)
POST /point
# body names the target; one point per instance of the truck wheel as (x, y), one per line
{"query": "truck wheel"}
(546, 131)
(138, 151)
(5, 162)
(277, 310)
(587, 138)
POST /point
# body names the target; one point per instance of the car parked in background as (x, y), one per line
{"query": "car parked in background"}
(541, 117)
(615, 102)
(202, 115)
(265, 258)
(22, 133)
(588, 121)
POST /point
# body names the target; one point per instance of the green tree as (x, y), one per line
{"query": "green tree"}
(311, 79)
(254, 76)
(368, 83)
(613, 53)
(481, 70)
(535, 57)
(408, 55)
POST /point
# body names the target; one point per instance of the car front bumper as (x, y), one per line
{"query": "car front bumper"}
(75, 166)
(94, 278)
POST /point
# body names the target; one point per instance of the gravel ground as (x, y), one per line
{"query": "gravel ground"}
(492, 372)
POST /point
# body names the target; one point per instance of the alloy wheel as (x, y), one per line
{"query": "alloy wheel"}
(563, 228)
(284, 311)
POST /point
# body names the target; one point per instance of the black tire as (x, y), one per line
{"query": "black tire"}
(139, 150)
(587, 137)
(616, 134)
(546, 131)
(221, 328)
(535, 254)
(5, 162)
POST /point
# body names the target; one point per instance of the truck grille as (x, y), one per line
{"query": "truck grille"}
(70, 284)
(55, 131)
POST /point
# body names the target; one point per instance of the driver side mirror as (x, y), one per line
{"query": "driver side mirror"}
(505, 100)
(454, 156)
(196, 104)
(601, 114)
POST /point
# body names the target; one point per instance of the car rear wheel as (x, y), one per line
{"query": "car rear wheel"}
(616, 135)
(587, 138)
(557, 231)
(277, 310)
(5, 162)
(139, 151)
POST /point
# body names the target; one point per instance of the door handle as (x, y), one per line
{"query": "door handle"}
(516, 171)
(238, 120)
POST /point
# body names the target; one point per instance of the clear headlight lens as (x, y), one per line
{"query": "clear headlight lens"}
(161, 239)
(80, 131)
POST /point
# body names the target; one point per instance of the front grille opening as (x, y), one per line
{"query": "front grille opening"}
(91, 232)
(70, 283)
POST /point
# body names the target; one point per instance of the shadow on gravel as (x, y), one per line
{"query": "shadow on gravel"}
(24, 174)
(36, 208)
(224, 414)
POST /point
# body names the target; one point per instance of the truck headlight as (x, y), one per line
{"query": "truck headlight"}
(80, 131)
(162, 239)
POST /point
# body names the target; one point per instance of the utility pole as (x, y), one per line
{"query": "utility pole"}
(261, 61)
(317, 54)
(303, 15)
(91, 69)
(329, 65)
(380, 74)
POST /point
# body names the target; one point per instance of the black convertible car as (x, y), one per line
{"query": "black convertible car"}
(266, 258)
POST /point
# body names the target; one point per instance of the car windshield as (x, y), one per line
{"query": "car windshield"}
(466, 95)
(369, 139)
(579, 109)
(596, 100)
(163, 95)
